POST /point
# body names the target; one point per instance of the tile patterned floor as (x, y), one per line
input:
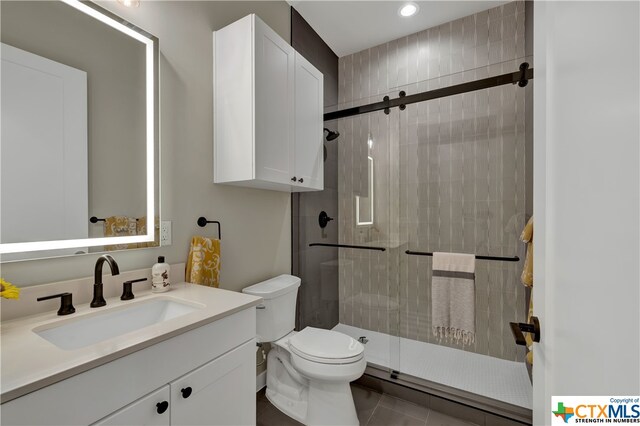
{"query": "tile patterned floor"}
(374, 409)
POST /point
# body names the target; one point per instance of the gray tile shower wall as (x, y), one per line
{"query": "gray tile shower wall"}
(317, 266)
(449, 175)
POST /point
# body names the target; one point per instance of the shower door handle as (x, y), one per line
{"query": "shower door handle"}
(519, 328)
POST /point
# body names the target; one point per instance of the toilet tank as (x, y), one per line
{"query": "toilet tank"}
(276, 316)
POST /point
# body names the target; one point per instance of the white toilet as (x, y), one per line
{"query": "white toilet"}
(308, 372)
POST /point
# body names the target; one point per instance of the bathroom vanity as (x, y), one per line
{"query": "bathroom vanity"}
(182, 357)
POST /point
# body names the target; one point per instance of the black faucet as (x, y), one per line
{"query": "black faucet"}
(98, 299)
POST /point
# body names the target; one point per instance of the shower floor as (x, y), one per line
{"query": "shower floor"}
(495, 378)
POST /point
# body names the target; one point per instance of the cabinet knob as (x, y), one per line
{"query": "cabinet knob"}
(301, 180)
(186, 392)
(294, 179)
(162, 407)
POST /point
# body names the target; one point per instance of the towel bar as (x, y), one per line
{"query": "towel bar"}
(94, 219)
(500, 258)
(348, 246)
(202, 222)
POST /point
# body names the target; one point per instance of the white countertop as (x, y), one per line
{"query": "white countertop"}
(29, 362)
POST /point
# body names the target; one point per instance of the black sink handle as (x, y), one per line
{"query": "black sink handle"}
(127, 293)
(66, 302)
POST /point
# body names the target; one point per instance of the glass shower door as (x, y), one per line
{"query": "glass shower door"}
(463, 189)
(369, 305)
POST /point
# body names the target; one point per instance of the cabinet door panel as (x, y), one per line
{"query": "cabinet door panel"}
(309, 99)
(233, 126)
(274, 68)
(143, 411)
(221, 392)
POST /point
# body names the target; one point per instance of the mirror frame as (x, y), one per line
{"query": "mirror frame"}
(152, 132)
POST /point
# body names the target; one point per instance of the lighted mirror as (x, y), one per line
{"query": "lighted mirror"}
(364, 205)
(79, 137)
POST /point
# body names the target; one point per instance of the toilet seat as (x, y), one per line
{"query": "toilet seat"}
(326, 346)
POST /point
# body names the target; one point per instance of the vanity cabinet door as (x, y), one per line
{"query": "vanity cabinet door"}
(153, 409)
(309, 101)
(221, 392)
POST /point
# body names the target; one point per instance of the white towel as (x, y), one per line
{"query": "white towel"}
(453, 297)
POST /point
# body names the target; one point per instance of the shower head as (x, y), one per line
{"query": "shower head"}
(331, 135)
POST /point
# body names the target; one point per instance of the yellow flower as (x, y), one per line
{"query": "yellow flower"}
(8, 290)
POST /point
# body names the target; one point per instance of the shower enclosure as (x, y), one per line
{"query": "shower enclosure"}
(429, 158)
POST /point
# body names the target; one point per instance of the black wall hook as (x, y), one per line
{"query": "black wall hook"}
(202, 222)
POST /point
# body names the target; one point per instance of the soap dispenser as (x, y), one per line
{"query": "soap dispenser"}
(160, 276)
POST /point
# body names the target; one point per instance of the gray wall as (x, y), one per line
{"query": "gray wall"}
(256, 223)
(317, 266)
(308, 43)
(449, 176)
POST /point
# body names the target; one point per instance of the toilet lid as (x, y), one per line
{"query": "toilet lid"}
(316, 344)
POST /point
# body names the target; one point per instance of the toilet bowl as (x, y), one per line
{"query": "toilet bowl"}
(308, 372)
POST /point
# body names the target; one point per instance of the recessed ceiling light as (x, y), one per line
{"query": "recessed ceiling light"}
(129, 3)
(408, 9)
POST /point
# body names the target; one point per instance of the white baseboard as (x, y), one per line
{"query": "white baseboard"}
(261, 380)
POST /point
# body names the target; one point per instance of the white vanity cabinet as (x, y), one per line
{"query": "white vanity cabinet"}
(218, 393)
(221, 392)
(151, 410)
(268, 111)
(216, 361)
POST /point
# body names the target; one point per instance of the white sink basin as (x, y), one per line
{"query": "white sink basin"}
(101, 326)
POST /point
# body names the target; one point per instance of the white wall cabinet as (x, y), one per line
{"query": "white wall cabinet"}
(308, 125)
(216, 361)
(268, 111)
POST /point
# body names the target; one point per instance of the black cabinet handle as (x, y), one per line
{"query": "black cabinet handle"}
(186, 392)
(162, 407)
(518, 329)
(294, 179)
(301, 180)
